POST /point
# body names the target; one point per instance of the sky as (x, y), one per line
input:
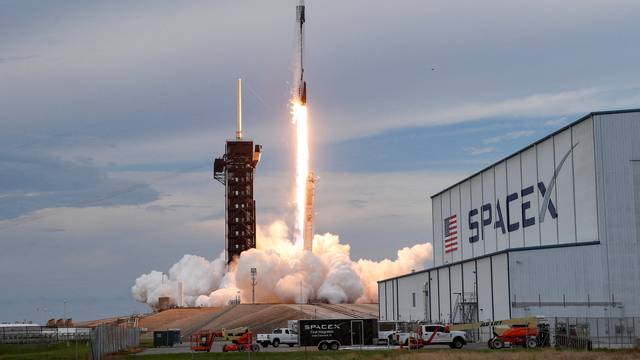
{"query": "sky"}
(111, 112)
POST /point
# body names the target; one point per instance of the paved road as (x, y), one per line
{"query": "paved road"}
(217, 347)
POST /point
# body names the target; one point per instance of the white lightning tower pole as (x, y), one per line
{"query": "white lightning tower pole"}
(254, 282)
(239, 111)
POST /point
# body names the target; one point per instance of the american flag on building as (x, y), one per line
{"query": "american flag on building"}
(451, 234)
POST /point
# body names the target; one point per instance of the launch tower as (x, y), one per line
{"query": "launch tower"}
(236, 170)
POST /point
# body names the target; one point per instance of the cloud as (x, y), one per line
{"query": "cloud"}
(479, 150)
(8, 59)
(30, 182)
(513, 135)
(576, 101)
(556, 122)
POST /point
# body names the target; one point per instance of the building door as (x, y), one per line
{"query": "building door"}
(357, 333)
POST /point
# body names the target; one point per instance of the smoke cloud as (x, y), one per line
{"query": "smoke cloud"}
(286, 273)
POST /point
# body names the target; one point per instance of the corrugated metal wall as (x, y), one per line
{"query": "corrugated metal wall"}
(566, 281)
(618, 145)
(487, 277)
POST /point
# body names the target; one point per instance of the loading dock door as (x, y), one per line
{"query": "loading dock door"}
(357, 333)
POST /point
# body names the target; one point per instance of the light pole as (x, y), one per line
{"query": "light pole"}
(254, 282)
(300, 296)
(64, 321)
(42, 310)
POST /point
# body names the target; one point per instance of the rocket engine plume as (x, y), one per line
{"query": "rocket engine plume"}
(300, 119)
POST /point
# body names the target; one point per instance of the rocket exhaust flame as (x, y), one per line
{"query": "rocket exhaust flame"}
(300, 120)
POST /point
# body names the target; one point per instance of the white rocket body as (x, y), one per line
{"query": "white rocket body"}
(309, 212)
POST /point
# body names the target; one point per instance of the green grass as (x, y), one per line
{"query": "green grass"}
(54, 351)
(440, 354)
(146, 343)
(61, 351)
(297, 355)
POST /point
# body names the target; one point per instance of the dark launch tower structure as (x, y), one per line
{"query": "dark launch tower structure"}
(236, 170)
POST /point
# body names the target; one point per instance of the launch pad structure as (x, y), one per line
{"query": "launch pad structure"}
(236, 170)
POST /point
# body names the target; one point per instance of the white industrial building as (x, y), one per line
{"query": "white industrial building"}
(502, 249)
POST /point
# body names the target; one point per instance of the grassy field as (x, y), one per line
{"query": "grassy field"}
(62, 351)
(59, 351)
(426, 354)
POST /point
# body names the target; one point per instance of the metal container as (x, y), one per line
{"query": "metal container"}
(163, 338)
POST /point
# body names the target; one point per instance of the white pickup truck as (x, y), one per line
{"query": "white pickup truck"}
(277, 337)
(441, 335)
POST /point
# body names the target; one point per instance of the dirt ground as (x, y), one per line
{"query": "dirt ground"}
(259, 317)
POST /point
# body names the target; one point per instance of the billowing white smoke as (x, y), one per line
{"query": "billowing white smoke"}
(286, 273)
(197, 274)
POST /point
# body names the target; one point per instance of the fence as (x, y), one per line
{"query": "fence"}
(566, 332)
(574, 342)
(41, 334)
(606, 333)
(107, 339)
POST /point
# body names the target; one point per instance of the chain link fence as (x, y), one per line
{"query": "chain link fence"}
(41, 334)
(597, 333)
(565, 332)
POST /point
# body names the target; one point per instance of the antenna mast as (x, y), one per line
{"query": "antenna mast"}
(239, 111)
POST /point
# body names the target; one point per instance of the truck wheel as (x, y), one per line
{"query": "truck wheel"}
(532, 343)
(323, 346)
(255, 348)
(290, 345)
(265, 344)
(498, 343)
(276, 342)
(457, 343)
(334, 345)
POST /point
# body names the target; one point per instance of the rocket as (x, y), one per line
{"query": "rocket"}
(302, 84)
(310, 190)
